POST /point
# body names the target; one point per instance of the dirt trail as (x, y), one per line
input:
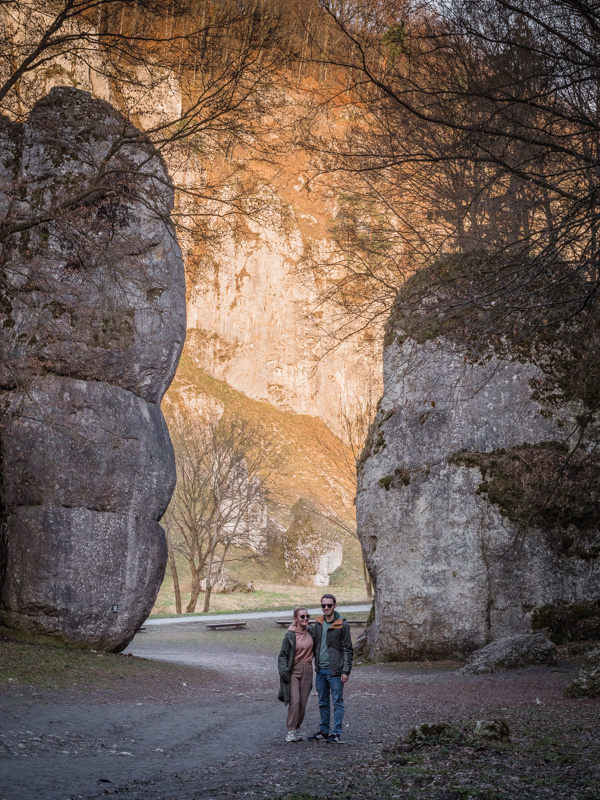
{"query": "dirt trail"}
(224, 736)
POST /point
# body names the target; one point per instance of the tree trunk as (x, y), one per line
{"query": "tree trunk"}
(173, 566)
(209, 578)
(191, 606)
(207, 598)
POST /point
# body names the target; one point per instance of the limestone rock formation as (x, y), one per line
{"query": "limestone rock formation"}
(477, 494)
(252, 323)
(92, 325)
(311, 547)
(512, 652)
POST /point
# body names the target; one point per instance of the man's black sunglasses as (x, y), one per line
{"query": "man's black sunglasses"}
(326, 605)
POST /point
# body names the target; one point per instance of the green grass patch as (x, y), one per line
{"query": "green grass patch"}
(58, 667)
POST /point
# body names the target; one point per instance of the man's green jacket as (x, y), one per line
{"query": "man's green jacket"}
(339, 642)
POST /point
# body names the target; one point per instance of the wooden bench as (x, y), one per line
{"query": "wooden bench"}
(214, 626)
(356, 621)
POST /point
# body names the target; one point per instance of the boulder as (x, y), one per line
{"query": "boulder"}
(512, 652)
(477, 492)
(81, 443)
(88, 578)
(92, 323)
(587, 682)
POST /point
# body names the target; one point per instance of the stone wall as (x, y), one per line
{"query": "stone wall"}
(92, 325)
(477, 494)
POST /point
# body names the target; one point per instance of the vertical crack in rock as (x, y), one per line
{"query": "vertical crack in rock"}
(92, 323)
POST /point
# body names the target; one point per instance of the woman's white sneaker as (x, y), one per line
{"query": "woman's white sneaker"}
(291, 736)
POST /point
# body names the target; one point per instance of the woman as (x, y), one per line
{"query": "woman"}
(295, 671)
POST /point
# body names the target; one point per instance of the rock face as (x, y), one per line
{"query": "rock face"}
(93, 323)
(251, 322)
(474, 505)
(512, 652)
(311, 550)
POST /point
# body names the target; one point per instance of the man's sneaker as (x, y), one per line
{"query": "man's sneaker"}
(298, 735)
(319, 737)
(291, 736)
(333, 739)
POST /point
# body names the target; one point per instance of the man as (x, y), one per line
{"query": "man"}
(333, 662)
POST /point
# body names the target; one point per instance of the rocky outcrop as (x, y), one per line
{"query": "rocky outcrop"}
(311, 548)
(477, 495)
(93, 322)
(512, 652)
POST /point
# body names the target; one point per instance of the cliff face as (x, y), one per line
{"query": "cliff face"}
(93, 323)
(477, 493)
(252, 318)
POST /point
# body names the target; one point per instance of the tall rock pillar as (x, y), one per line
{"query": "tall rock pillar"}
(92, 323)
(478, 487)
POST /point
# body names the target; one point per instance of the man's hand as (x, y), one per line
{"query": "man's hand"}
(344, 679)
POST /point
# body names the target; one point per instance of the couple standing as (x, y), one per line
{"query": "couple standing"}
(330, 644)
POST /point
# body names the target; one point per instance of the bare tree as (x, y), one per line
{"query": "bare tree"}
(197, 77)
(218, 511)
(473, 129)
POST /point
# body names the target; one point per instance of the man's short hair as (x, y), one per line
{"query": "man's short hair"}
(331, 597)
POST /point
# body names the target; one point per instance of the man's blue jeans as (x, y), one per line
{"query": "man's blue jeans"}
(327, 685)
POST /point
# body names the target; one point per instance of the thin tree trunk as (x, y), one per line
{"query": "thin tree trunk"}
(191, 606)
(209, 581)
(173, 566)
(207, 595)
(176, 587)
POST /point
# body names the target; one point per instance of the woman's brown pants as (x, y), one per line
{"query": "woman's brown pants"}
(300, 686)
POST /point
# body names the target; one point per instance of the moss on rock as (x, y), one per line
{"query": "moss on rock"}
(468, 299)
(544, 486)
(569, 622)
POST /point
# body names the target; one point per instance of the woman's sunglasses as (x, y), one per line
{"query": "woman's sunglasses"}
(304, 616)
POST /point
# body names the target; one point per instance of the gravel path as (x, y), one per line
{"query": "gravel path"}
(187, 618)
(222, 737)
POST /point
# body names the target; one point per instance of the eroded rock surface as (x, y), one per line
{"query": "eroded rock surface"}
(93, 322)
(477, 494)
(512, 652)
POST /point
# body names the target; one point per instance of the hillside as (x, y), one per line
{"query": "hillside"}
(315, 466)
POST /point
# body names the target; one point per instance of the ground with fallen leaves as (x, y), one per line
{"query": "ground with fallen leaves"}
(192, 714)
